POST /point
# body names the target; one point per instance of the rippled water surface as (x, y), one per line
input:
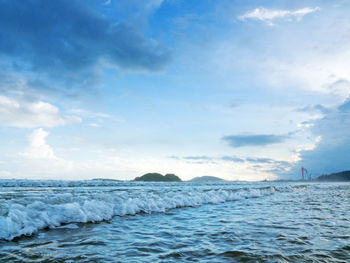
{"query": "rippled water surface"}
(100, 221)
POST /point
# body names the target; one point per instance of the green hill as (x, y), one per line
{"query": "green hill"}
(156, 177)
(335, 177)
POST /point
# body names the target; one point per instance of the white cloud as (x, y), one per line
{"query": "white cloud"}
(5, 174)
(38, 148)
(26, 114)
(312, 58)
(39, 160)
(89, 114)
(154, 4)
(322, 72)
(269, 15)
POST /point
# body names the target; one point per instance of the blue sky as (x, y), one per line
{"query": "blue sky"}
(243, 90)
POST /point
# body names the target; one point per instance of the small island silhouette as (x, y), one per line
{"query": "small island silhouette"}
(157, 177)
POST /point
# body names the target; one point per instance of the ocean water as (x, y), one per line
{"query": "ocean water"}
(104, 221)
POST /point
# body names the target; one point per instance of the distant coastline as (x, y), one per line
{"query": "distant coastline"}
(343, 176)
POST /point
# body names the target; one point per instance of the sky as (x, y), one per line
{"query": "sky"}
(239, 89)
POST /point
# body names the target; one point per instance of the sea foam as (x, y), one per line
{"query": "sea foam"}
(28, 211)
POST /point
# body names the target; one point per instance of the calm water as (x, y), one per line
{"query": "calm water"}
(97, 221)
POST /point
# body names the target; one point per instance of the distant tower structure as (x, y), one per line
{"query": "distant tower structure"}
(304, 174)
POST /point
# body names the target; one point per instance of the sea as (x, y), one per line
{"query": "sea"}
(111, 221)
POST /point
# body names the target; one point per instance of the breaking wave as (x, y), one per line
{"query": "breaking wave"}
(26, 212)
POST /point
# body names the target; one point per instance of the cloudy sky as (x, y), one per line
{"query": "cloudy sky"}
(240, 89)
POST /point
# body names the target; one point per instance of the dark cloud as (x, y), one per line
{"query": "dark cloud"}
(267, 161)
(254, 162)
(258, 164)
(68, 40)
(196, 158)
(208, 159)
(259, 160)
(253, 140)
(331, 153)
(232, 159)
(340, 86)
(268, 165)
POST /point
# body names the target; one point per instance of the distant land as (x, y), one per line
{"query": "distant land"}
(157, 177)
(202, 179)
(105, 180)
(335, 177)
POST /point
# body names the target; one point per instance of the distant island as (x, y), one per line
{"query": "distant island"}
(156, 177)
(335, 177)
(202, 179)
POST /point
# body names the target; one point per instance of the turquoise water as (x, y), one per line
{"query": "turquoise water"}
(92, 221)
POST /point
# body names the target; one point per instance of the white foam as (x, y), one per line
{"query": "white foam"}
(28, 213)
